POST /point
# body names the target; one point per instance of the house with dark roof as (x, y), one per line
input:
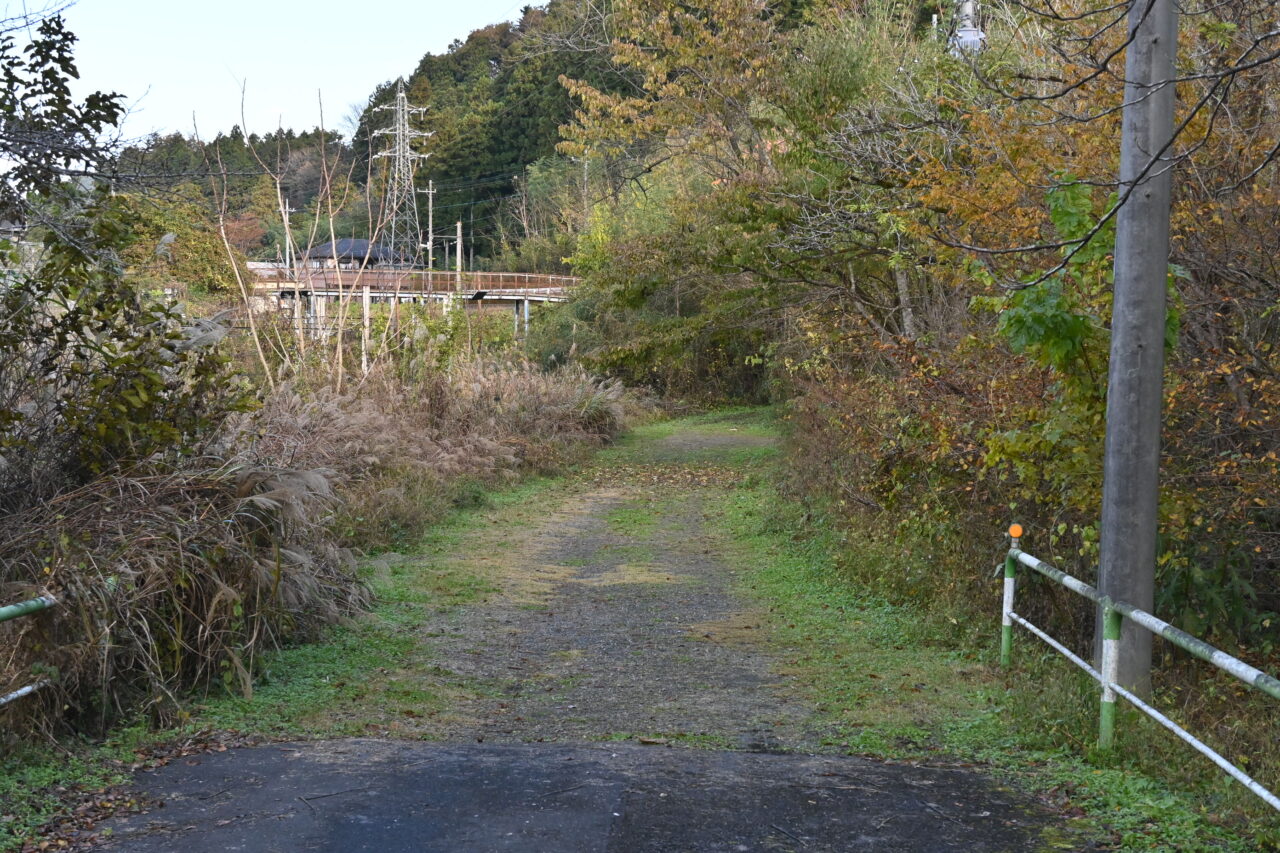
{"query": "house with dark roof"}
(349, 253)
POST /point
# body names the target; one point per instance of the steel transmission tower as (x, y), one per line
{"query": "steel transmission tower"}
(401, 232)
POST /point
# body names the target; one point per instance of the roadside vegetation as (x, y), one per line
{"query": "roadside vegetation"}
(178, 561)
(902, 680)
(905, 682)
(819, 205)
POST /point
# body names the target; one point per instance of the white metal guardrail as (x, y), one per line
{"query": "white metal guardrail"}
(1113, 614)
(13, 611)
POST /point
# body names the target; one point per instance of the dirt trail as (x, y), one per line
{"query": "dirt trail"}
(615, 640)
(621, 635)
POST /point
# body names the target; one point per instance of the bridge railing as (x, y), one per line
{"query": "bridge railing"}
(13, 611)
(1114, 613)
(386, 279)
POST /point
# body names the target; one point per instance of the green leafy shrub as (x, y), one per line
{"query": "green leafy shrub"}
(95, 374)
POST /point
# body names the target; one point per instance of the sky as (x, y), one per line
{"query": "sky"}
(184, 66)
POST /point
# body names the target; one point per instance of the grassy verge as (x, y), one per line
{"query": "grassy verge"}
(36, 783)
(376, 676)
(893, 682)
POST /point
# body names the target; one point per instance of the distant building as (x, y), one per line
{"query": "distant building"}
(11, 229)
(14, 232)
(349, 254)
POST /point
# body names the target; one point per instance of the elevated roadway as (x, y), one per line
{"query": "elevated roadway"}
(312, 291)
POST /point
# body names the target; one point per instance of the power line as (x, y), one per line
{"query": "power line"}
(495, 176)
(475, 202)
(459, 187)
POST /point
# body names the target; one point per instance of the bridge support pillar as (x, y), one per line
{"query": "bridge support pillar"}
(321, 306)
(366, 326)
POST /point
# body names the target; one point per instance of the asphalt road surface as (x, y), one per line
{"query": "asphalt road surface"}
(366, 795)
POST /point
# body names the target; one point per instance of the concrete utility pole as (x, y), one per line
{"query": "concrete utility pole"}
(1130, 485)
(431, 226)
(968, 36)
(458, 255)
(366, 326)
(285, 212)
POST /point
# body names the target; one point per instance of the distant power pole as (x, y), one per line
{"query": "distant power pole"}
(431, 224)
(1131, 468)
(285, 212)
(430, 193)
(403, 233)
(967, 37)
(458, 255)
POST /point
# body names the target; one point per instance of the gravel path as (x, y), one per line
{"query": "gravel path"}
(626, 699)
(627, 636)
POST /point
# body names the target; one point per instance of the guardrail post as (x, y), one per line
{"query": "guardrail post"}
(1111, 624)
(1006, 623)
(1010, 583)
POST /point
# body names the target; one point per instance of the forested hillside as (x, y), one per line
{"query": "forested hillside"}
(494, 106)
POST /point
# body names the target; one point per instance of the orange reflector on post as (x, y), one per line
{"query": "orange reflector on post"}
(1015, 531)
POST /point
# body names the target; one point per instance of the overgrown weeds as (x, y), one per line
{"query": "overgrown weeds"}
(165, 579)
(179, 569)
(402, 452)
(121, 494)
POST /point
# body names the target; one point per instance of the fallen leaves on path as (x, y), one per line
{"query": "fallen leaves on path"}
(83, 809)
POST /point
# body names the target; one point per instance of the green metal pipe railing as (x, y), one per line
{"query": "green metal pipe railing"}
(22, 608)
(13, 611)
(1113, 614)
